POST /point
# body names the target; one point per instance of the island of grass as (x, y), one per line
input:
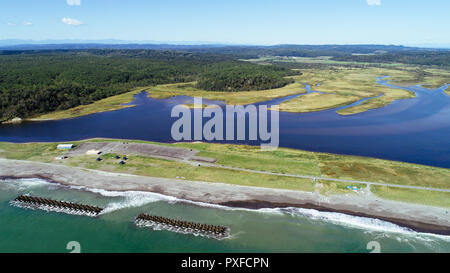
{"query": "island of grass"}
(349, 81)
(340, 86)
(249, 166)
(317, 102)
(232, 98)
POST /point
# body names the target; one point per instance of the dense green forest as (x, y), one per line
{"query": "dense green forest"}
(367, 54)
(35, 82)
(358, 53)
(225, 77)
(354, 53)
(437, 58)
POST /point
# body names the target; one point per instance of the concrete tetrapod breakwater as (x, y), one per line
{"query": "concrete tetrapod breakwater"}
(30, 202)
(159, 222)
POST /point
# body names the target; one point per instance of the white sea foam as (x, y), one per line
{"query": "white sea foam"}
(195, 232)
(130, 198)
(51, 209)
(140, 198)
(365, 223)
(24, 183)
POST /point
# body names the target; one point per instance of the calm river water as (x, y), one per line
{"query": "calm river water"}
(413, 130)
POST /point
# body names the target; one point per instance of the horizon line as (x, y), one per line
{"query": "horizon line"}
(21, 42)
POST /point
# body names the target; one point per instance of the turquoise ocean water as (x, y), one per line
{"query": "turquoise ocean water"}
(264, 230)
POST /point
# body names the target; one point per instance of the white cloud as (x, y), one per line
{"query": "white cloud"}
(27, 23)
(11, 24)
(73, 2)
(373, 2)
(70, 21)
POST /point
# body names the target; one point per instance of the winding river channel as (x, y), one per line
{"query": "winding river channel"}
(412, 130)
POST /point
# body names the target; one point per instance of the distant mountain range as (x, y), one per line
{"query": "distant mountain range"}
(4, 42)
(17, 44)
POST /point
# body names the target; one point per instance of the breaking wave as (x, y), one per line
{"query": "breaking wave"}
(141, 198)
(25, 183)
(365, 223)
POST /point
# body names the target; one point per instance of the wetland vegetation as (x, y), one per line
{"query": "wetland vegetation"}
(49, 84)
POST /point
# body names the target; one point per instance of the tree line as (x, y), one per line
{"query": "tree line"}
(227, 77)
(437, 58)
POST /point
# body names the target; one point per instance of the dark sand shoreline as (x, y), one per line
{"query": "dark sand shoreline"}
(415, 217)
(410, 224)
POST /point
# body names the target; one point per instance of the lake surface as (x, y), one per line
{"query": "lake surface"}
(413, 130)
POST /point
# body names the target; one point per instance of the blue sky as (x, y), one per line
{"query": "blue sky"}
(407, 22)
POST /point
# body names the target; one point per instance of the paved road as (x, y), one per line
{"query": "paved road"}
(319, 177)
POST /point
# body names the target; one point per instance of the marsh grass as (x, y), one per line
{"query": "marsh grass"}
(232, 98)
(431, 198)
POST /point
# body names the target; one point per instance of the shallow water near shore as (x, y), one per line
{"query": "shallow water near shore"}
(301, 230)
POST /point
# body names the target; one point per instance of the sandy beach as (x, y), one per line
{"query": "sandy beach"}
(417, 217)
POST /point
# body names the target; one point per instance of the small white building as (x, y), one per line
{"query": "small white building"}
(65, 146)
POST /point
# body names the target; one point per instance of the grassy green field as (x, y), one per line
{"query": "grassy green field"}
(289, 161)
(433, 198)
(148, 166)
(309, 60)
